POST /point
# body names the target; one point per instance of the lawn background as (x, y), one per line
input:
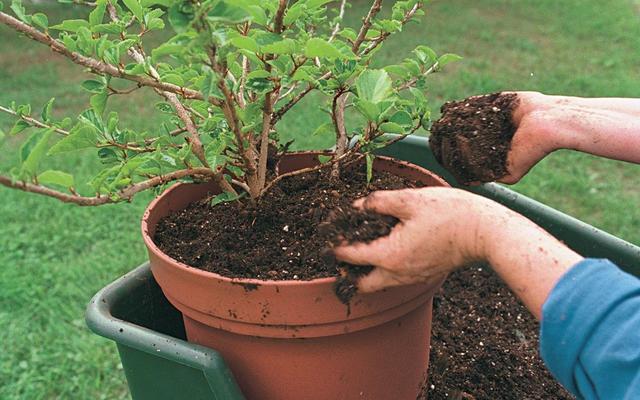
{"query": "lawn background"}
(54, 257)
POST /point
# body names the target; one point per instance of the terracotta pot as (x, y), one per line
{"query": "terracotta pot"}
(294, 339)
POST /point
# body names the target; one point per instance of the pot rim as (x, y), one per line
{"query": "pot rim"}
(247, 281)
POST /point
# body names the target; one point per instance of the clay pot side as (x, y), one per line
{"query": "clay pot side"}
(295, 339)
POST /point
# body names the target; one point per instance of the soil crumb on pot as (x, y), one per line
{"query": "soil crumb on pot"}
(282, 237)
(484, 343)
(473, 136)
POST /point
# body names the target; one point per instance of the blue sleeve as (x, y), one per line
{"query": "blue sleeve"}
(590, 331)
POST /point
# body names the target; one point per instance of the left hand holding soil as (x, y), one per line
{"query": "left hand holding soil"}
(437, 232)
(441, 229)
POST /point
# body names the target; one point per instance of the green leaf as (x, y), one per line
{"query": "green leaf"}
(324, 159)
(178, 19)
(369, 158)
(149, 3)
(447, 58)
(41, 20)
(245, 42)
(31, 152)
(374, 85)
(19, 126)
(173, 78)
(112, 28)
(18, 9)
(402, 118)
(155, 24)
(369, 110)
(286, 46)
(224, 197)
(71, 25)
(135, 8)
(93, 86)
(228, 12)
(312, 4)
(317, 47)
(80, 137)
(96, 16)
(391, 127)
(46, 110)
(209, 85)
(2, 134)
(99, 102)
(425, 54)
(53, 177)
(165, 50)
(258, 74)
(324, 129)
(294, 12)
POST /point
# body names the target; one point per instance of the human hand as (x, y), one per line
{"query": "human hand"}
(439, 230)
(497, 137)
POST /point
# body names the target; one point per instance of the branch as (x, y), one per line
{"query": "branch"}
(267, 114)
(376, 42)
(413, 80)
(124, 194)
(283, 110)
(194, 137)
(34, 122)
(278, 23)
(340, 17)
(367, 21)
(98, 66)
(337, 115)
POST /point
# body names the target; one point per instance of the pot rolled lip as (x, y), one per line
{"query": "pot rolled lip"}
(251, 281)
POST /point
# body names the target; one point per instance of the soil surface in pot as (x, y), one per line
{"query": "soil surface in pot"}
(282, 237)
(473, 136)
(484, 343)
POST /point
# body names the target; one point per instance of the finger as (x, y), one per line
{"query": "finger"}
(397, 203)
(381, 278)
(375, 253)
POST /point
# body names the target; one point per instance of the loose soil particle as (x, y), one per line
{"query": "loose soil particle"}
(484, 343)
(282, 237)
(473, 136)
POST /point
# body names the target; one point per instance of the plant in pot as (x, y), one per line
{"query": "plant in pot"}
(239, 246)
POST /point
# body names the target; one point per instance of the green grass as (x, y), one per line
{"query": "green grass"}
(54, 257)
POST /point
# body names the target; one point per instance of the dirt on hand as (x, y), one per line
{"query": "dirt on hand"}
(473, 136)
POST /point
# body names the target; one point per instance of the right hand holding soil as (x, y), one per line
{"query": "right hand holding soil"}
(501, 136)
(496, 137)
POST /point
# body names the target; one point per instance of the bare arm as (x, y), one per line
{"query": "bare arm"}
(607, 127)
(442, 229)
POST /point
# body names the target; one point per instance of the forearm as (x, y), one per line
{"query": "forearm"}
(606, 127)
(526, 257)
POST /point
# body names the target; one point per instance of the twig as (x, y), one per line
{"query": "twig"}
(367, 21)
(122, 195)
(340, 17)
(376, 42)
(98, 66)
(194, 137)
(337, 116)
(34, 122)
(279, 18)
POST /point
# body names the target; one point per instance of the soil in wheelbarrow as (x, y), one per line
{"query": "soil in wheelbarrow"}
(473, 136)
(286, 228)
(484, 343)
